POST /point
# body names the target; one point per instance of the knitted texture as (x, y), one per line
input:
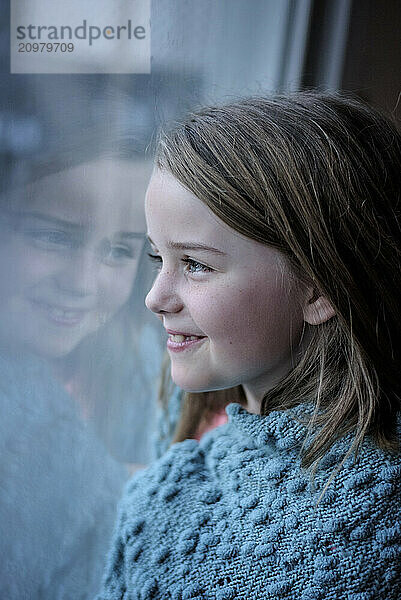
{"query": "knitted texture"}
(235, 517)
(58, 492)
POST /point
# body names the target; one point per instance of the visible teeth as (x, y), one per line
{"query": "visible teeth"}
(182, 338)
(177, 338)
(59, 313)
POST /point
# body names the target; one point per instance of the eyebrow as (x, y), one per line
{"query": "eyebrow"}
(191, 246)
(43, 217)
(76, 226)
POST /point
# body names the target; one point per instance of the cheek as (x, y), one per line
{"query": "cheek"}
(223, 312)
(116, 287)
(260, 316)
(22, 268)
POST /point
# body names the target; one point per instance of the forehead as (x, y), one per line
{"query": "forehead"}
(170, 207)
(106, 194)
(173, 213)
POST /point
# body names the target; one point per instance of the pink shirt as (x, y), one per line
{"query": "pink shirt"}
(218, 418)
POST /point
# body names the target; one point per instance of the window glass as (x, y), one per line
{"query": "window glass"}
(79, 356)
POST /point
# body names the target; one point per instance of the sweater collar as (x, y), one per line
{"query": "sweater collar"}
(282, 428)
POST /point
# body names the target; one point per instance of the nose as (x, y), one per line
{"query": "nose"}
(79, 274)
(163, 296)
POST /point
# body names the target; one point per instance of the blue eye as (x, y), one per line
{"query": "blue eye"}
(193, 266)
(118, 253)
(51, 239)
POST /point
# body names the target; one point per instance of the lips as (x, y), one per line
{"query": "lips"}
(179, 340)
(60, 315)
(180, 336)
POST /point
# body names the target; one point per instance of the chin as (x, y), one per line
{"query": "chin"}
(50, 349)
(198, 382)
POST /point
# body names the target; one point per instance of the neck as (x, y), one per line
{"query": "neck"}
(255, 390)
(253, 403)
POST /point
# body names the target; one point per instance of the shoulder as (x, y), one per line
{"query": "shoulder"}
(183, 477)
(363, 501)
(30, 393)
(369, 468)
(365, 487)
(59, 488)
(181, 461)
(356, 526)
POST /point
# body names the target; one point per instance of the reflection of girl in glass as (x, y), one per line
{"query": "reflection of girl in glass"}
(67, 246)
(275, 224)
(70, 246)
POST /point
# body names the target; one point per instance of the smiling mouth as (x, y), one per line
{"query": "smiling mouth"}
(178, 338)
(179, 342)
(61, 316)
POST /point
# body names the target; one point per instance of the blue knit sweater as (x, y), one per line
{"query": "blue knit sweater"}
(58, 489)
(235, 517)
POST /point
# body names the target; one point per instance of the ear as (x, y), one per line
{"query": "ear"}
(317, 308)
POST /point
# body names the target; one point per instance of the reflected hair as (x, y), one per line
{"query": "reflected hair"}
(317, 176)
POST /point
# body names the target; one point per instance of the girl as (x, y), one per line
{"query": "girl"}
(275, 224)
(70, 243)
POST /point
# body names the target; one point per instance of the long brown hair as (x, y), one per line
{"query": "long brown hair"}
(317, 176)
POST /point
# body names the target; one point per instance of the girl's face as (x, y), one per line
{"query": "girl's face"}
(69, 250)
(225, 300)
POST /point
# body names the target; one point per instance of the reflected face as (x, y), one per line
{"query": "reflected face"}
(69, 251)
(225, 299)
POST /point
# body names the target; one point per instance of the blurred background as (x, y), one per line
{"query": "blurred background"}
(80, 357)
